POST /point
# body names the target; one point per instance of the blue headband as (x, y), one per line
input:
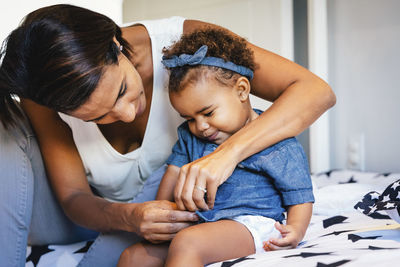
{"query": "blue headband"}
(199, 58)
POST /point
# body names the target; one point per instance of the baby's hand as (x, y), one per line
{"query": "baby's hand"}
(290, 238)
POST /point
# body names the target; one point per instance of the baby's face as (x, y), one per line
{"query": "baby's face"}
(214, 112)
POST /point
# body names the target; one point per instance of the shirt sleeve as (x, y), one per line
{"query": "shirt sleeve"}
(180, 151)
(287, 165)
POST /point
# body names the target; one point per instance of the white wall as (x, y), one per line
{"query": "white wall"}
(364, 58)
(363, 45)
(266, 23)
(12, 13)
(260, 21)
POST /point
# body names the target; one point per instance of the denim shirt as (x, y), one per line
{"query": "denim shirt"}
(262, 184)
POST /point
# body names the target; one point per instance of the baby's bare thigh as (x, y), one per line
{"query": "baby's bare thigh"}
(216, 241)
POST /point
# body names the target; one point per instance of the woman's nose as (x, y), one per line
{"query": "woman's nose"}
(126, 112)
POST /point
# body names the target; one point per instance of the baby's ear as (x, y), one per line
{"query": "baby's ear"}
(243, 88)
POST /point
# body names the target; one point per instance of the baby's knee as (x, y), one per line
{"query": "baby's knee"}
(125, 259)
(144, 255)
(132, 255)
(186, 242)
(186, 249)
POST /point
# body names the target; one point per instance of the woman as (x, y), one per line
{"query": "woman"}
(96, 98)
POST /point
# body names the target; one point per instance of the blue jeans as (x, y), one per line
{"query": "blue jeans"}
(30, 213)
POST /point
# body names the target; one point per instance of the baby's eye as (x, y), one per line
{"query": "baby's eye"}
(209, 114)
(190, 120)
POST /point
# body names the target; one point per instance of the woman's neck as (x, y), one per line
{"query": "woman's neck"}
(139, 40)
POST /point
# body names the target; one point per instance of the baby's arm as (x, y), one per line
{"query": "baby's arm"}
(298, 219)
(167, 185)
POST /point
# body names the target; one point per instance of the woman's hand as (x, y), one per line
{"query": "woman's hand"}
(203, 176)
(158, 221)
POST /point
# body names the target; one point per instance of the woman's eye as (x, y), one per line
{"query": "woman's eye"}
(190, 120)
(122, 92)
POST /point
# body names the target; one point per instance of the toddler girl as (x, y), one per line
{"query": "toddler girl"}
(209, 86)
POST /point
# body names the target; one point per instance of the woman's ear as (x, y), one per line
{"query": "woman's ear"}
(116, 41)
(243, 88)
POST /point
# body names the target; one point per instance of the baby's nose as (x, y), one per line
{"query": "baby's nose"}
(202, 126)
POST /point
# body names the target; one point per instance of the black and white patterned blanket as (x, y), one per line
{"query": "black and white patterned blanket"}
(388, 201)
(353, 224)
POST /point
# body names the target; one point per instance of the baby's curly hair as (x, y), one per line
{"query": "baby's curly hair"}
(220, 44)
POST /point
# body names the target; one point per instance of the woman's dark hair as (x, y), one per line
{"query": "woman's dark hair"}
(56, 58)
(220, 44)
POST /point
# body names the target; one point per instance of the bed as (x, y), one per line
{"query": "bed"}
(355, 223)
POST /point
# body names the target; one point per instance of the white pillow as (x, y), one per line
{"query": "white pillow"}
(340, 198)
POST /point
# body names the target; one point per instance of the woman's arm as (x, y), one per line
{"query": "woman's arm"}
(299, 97)
(68, 180)
(298, 219)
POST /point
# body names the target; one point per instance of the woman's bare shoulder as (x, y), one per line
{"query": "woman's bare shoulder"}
(191, 25)
(46, 122)
(136, 35)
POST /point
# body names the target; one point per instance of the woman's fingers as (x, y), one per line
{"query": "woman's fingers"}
(199, 191)
(168, 228)
(159, 232)
(212, 187)
(166, 211)
(208, 172)
(175, 216)
(188, 187)
(160, 221)
(179, 187)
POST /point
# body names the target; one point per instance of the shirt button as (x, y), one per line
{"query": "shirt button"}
(240, 166)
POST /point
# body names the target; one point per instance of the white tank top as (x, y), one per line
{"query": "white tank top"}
(119, 177)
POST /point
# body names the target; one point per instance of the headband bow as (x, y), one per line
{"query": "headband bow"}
(186, 59)
(199, 58)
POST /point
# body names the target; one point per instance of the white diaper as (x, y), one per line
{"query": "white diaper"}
(261, 228)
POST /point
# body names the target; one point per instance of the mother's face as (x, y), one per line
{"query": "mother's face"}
(119, 96)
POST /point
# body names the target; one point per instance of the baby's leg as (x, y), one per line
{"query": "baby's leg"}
(210, 242)
(144, 254)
